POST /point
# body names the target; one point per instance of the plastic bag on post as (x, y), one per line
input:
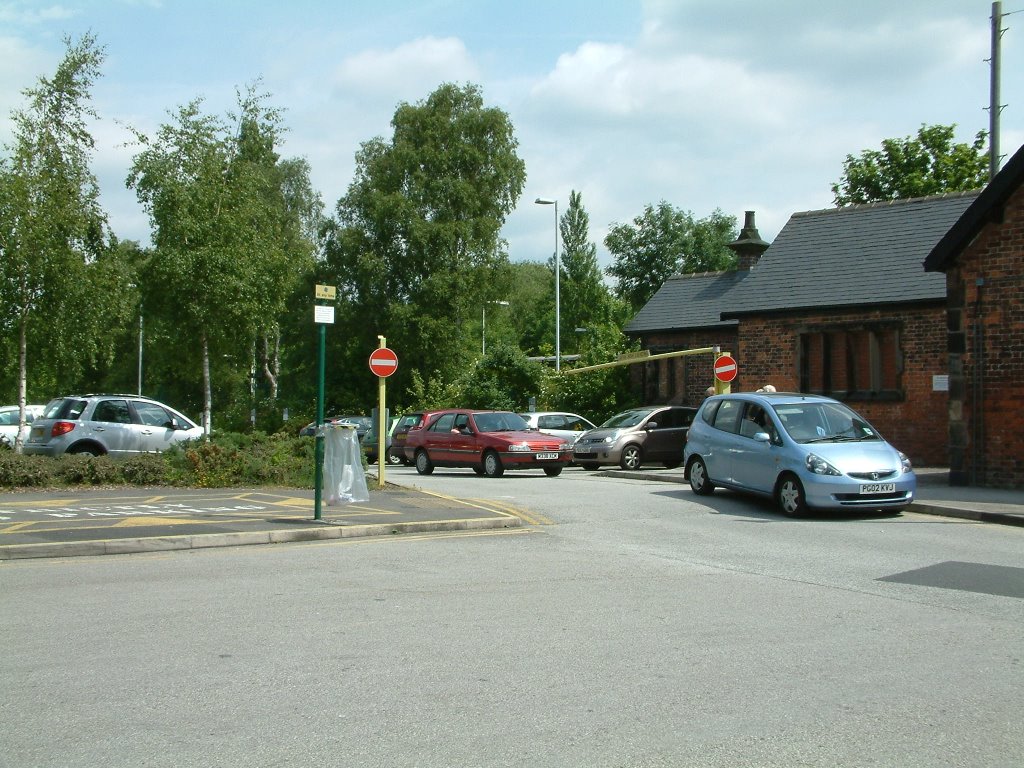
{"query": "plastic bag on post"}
(344, 479)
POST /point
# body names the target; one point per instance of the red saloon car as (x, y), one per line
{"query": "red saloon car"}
(489, 442)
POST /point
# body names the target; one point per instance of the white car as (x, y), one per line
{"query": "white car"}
(9, 423)
(568, 426)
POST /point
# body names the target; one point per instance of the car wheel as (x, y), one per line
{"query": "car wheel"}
(423, 463)
(492, 465)
(394, 459)
(552, 471)
(699, 481)
(790, 497)
(631, 457)
(85, 450)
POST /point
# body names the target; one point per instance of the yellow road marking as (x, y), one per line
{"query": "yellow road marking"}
(149, 522)
(489, 505)
(15, 527)
(530, 517)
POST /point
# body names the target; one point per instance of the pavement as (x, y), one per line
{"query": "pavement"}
(82, 522)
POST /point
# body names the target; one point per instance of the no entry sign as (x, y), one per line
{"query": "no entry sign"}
(726, 368)
(383, 362)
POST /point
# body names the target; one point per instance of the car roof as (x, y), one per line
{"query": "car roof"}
(776, 397)
(548, 413)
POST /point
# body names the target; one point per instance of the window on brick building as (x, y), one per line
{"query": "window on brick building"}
(852, 362)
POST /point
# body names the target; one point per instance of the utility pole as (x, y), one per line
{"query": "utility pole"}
(994, 106)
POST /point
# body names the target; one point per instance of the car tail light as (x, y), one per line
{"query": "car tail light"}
(61, 428)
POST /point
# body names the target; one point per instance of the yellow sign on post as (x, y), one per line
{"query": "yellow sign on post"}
(326, 292)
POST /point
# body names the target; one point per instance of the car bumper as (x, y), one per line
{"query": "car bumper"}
(42, 449)
(597, 455)
(513, 460)
(824, 492)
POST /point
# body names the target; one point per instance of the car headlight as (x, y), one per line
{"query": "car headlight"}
(519, 448)
(819, 466)
(612, 437)
(905, 462)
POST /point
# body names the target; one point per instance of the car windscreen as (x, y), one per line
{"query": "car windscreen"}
(628, 418)
(500, 421)
(824, 422)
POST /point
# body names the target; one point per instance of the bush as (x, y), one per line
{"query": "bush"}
(17, 471)
(228, 460)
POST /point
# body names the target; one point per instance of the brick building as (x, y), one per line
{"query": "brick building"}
(839, 305)
(982, 256)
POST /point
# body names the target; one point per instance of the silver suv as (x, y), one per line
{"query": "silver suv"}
(118, 425)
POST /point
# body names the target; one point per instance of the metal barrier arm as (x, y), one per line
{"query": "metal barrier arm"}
(645, 359)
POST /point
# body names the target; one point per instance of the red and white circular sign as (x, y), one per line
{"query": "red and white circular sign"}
(383, 362)
(726, 368)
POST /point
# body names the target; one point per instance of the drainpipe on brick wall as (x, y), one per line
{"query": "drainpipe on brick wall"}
(978, 389)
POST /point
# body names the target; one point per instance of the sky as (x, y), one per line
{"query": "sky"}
(749, 105)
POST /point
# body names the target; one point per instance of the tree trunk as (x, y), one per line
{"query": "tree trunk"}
(272, 364)
(22, 377)
(207, 396)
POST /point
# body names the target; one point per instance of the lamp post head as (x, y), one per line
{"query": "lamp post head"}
(545, 201)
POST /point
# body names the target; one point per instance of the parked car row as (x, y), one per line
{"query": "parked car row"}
(806, 452)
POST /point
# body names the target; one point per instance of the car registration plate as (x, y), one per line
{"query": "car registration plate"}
(878, 488)
(543, 456)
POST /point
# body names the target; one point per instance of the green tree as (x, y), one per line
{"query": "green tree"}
(415, 246)
(218, 200)
(57, 284)
(661, 242)
(504, 379)
(929, 164)
(586, 301)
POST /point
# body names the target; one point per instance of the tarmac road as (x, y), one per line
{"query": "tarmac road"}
(117, 521)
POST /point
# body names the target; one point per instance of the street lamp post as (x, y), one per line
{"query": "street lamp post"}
(483, 324)
(558, 270)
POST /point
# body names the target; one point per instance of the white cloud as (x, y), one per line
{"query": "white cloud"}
(416, 67)
(18, 13)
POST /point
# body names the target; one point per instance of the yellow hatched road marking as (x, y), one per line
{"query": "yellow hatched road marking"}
(527, 516)
(15, 527)
(149, 522)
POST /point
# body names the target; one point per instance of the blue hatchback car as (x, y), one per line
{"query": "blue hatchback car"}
(806, 451)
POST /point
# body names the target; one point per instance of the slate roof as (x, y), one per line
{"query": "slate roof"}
(994, 196)
(687, 302)
(861, 255)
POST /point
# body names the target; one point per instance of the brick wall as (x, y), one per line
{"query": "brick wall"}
(907, 411)
(679, 380)
(986, 354)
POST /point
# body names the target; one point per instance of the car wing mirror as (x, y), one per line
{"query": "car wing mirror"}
(762, 437)
(651, 425)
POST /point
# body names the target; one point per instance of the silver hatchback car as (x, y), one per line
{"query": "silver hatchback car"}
(805, 451)
(654, 433)
(118, 425)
